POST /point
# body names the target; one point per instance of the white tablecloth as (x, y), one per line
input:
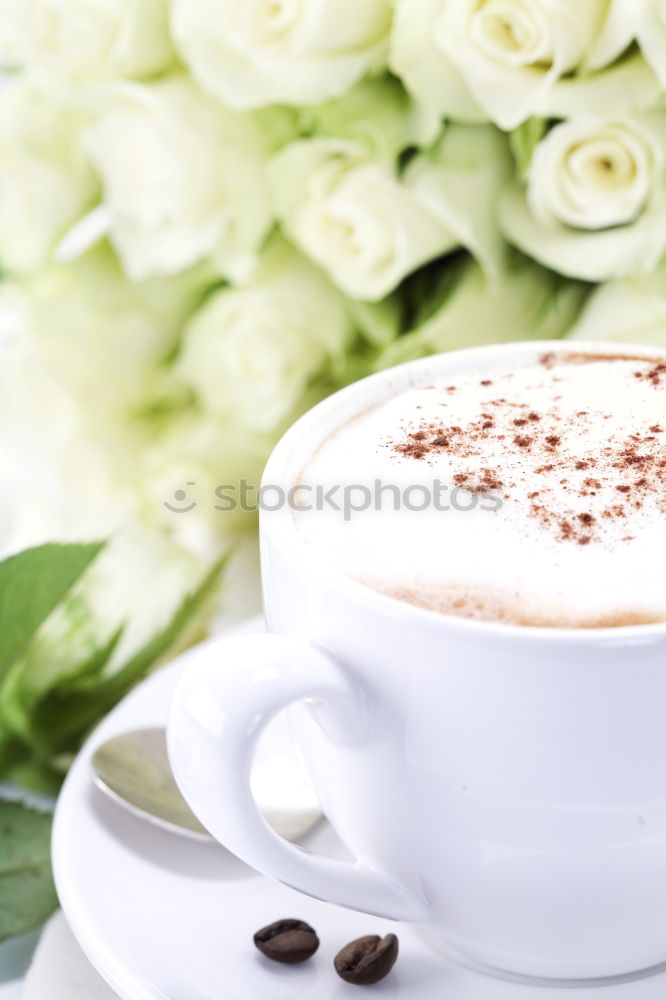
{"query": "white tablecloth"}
(15, 957)
(60, 970)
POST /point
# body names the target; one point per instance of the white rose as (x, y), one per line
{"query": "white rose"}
(79, 371)
(528, 303)
(136, 584)
(354, 216)
(82, 40)
(47, 184)
(511, 59)
(368, 228)
(377, 114)
(100, 335)
(183, 180)
(140, 581)
(252, 358)
(75, 384)
(595, 204)
(187, 463)
(56, 480)
(250, 353)
(252, 53)
(424, 67)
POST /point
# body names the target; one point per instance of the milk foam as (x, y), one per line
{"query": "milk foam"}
(572, 450)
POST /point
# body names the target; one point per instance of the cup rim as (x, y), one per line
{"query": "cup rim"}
(281, 528)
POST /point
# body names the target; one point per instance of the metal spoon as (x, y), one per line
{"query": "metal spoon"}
(133, 769)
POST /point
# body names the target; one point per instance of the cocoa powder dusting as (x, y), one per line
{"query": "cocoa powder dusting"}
(654, 375)
(631, 470)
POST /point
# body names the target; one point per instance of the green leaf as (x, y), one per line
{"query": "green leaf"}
(68, 714)
(32, 583)
(427, 290)
(42, 778)
(21, 715)
(27, 892)
(12, 752)
(523, 140)
(57, 651)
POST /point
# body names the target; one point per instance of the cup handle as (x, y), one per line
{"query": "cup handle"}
(224, 700)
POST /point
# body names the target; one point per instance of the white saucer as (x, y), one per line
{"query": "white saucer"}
(165, 918)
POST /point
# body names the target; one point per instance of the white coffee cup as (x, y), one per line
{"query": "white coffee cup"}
(502, 786)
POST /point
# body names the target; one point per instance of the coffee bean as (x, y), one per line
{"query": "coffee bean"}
(367, 960)
(287, 941)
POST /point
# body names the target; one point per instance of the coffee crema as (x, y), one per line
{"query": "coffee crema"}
(554, 476)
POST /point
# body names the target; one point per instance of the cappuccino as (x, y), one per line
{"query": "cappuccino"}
(531, 494)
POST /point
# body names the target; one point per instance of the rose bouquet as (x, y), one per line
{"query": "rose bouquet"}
(215, 212)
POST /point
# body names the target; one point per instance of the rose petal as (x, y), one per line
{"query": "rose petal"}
(630, 86)
(631, 310)
(425, 69)
(460, 182)
(592, 256)
(616, 35)
(510, 90)
(652, 35)
(353, 216)
(239, 54)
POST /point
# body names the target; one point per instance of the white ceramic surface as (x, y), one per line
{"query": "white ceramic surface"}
(163, 918)
(504, 787)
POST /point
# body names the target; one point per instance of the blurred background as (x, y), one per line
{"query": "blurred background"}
(214, 214)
